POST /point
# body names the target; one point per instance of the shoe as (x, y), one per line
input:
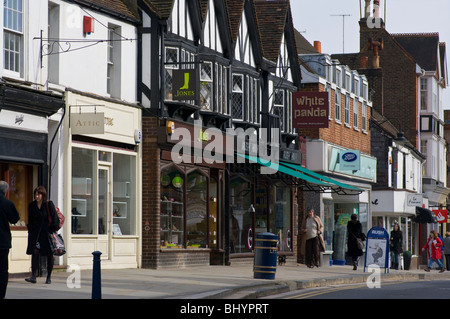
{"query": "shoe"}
(427, 269)
(48, 281)
(31, 279)
(442, 269)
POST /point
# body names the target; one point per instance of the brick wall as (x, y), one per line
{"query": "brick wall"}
(398, 99)
(340, 133)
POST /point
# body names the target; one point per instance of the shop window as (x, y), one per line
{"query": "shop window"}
(196, 210)
(172, 207)
(83, 175)
(124, 194)
(280, 216)
(261, 209)
(19, 179)
(241, 215)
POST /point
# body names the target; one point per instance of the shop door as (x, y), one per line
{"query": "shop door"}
(104, 209)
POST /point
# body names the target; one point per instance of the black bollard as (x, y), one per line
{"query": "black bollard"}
(96, 277)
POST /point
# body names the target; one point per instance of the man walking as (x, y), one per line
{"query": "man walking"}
(8, 215)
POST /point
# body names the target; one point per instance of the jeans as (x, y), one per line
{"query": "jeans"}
(438, 261)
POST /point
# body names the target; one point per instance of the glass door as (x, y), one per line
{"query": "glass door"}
(104, 207)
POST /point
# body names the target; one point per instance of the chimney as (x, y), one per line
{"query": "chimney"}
(364, 60)
(318, 46)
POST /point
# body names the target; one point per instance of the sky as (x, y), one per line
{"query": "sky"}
(322, 20)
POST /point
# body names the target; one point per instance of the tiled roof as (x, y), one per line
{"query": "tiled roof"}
(162, 8)
(422, 46)
(121, 8)
(271, 17)
(234, 9)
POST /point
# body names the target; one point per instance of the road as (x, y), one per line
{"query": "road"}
(424, 289)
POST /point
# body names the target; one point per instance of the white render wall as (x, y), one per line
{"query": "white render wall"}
(84, 67)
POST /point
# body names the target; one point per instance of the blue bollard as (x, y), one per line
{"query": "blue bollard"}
(96, 277)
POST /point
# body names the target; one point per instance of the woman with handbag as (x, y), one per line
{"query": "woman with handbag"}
(312, 241)
(42, 220)
(354, 240)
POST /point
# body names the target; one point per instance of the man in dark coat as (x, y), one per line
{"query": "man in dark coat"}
(8, 215)
(354, 229)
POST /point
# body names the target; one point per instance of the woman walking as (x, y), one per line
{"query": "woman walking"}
(354, 229)
(433, 248)
(42, 220)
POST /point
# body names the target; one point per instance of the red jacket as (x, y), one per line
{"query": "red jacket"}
(435, 248)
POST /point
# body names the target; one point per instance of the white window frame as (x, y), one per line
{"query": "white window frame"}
(16, 31)
(337, 105)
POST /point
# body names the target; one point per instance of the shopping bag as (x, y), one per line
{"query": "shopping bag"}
(57, 244)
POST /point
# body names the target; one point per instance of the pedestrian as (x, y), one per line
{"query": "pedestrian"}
(446, 243)
(354, 229)
(312, 240)
(433, 247)
(396, 244)
(42, 220)
(8, 215)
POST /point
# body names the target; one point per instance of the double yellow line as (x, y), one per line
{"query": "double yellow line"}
(314, 293)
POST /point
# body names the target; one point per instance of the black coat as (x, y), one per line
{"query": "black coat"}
(39, 226)
(8, 215)
(354, 229)
(396, 241)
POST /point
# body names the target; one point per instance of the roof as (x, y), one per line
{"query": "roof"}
(123, 9)
(303, 46)
(424, 48)
(272, 18)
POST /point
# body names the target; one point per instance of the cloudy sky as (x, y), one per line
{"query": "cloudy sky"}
(322, 20)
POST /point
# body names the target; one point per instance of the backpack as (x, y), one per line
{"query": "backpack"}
(60, 217)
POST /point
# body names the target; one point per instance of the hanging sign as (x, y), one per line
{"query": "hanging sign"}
(377, 248)
(87, 123)
(184, 85)
(441, 215)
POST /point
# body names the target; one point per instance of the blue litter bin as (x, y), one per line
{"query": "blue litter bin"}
(265, 262)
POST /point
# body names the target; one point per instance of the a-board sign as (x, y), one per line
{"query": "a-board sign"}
(377, 248)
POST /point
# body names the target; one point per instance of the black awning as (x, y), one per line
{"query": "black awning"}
(424, 216)
(29, 101)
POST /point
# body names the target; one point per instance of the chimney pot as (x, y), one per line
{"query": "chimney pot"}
(318, 46)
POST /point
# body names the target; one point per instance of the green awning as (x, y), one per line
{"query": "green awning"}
(324, 178)
(305, 174)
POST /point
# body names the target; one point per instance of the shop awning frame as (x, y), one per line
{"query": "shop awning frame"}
(311, 180)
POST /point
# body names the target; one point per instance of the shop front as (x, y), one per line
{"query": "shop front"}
(260, 204)
(24, 143)
(103, 183)
(337, 206)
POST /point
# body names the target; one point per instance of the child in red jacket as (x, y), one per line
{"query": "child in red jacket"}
(433, 247)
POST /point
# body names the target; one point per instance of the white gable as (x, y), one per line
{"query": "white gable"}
(283, 64)
(211, 36)
(243, 50)
(181, 20)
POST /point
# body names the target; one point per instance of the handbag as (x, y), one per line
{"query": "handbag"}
(359, 243)
(57, 244)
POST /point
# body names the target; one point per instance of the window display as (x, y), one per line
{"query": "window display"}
(241, 215)
(172, 211)
(280, 215)
(196, 210)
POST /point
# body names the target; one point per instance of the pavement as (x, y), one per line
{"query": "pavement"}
(204, 282)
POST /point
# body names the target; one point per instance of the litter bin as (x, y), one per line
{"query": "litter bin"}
(265, 262)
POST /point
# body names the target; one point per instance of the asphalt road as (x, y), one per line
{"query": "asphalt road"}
(433, 289)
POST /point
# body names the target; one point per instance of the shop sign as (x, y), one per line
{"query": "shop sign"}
(414, 199)
(350, 160)
(87, 123)
(184, 85)
(441, 215)
(310, 109)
